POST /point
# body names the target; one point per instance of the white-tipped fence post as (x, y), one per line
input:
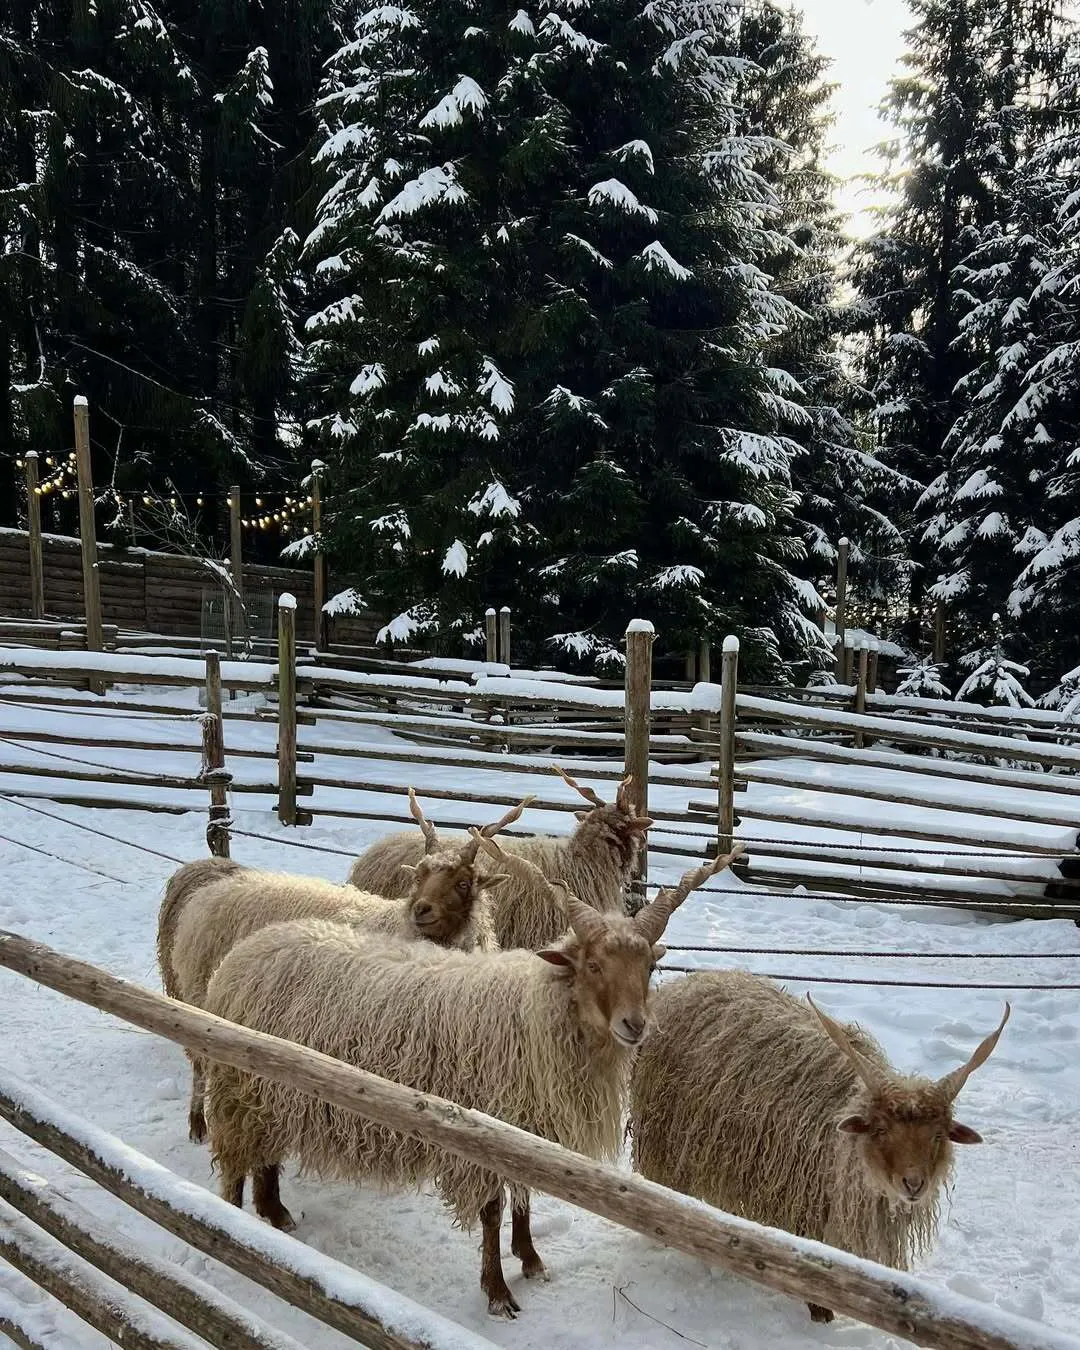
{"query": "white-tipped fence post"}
(33, 525)
(640, 636)
(840, 620)
(725, 769)
(214, 773)
(847, 666)
(95, 640)
(504, 635)
(860, 687)
(287, 710)
(491, 636)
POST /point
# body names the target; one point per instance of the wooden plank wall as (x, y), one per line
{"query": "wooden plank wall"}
(146, 591)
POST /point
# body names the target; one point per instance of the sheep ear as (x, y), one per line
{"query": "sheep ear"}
(659, 951)
(556, 957)
(489, 883)
(964, 1134)
(853, 1125)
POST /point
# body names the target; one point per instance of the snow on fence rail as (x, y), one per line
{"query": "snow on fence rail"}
(894, 1301)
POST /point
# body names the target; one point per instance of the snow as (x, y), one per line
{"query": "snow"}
(656, 258)
(731, 643)
(435, 186)
(637, 150)
(640, 626)
(615, 194)
(286, 601)
(495, 501)
(456, 561)
(1009, 1239)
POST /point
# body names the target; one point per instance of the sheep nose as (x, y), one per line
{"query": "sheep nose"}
(633, 1027)
(913, 1185)
(422, 911)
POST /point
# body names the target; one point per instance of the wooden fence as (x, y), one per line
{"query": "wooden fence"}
(145, 591)
(713, 742)
(894, 1301)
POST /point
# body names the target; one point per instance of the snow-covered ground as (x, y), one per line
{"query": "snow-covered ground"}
(1011, 1231)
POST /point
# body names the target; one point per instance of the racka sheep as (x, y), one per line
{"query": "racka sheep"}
(595, 863)
(212, 904)
(542, 1040)
(747, 1098)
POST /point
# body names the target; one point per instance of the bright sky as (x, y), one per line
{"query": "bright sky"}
(864, 40)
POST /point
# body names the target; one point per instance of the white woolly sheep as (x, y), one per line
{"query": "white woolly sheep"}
(747, 1098)
(542, 1040)
(213, 903)
(595, 863)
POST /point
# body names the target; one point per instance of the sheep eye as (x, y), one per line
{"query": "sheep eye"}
(594, 967)
(463, 886)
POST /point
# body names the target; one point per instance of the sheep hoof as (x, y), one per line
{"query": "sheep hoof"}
(501, 1302)
(533, 1268)
(277, 1216)
(197, 1127)
(820, 1314)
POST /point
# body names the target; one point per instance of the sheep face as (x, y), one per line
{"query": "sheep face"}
(903, 1135)
(610, 970)
(444, 893)
(620, 829)
(904, 1128)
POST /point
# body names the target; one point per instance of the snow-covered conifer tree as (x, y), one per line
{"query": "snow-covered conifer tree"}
(539, 353)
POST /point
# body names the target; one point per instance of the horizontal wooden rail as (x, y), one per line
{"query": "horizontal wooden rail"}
(1013, 809)
(892, 1300)
(91, 1296)
(166, 1284)
(333, 1293)
(892, 729)
(1029, 780)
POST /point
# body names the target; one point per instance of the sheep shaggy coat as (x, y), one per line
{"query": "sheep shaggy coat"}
(494, 1031)
(212, 904)
(736, 1098)
(595, 863)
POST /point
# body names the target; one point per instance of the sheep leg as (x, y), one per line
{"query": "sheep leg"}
(820, 1314)
(501, 1302)
(521, 1243)
(232, 1188)
(196, 1111)
(266, 1193)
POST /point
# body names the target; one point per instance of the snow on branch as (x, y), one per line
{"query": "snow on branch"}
(619, 197)
(638, 151)
(656, 258)
(466, 96)
(434, 187)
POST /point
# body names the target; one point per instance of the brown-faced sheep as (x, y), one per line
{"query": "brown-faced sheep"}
(595, 862)
(542, 1040)
(747, 1098)
(212, 904)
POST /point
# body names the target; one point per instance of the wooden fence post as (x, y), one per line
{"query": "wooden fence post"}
(872, 673)
(491, 636)
(840, 620)
(691, 666)
(704, 668)
(725, 769)
(317, 467)
(504, 635)
(33, 524)
(860, 687)
(214, 771)
(87, 535)
(287, 709)
(640, 636)
(939, 633)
